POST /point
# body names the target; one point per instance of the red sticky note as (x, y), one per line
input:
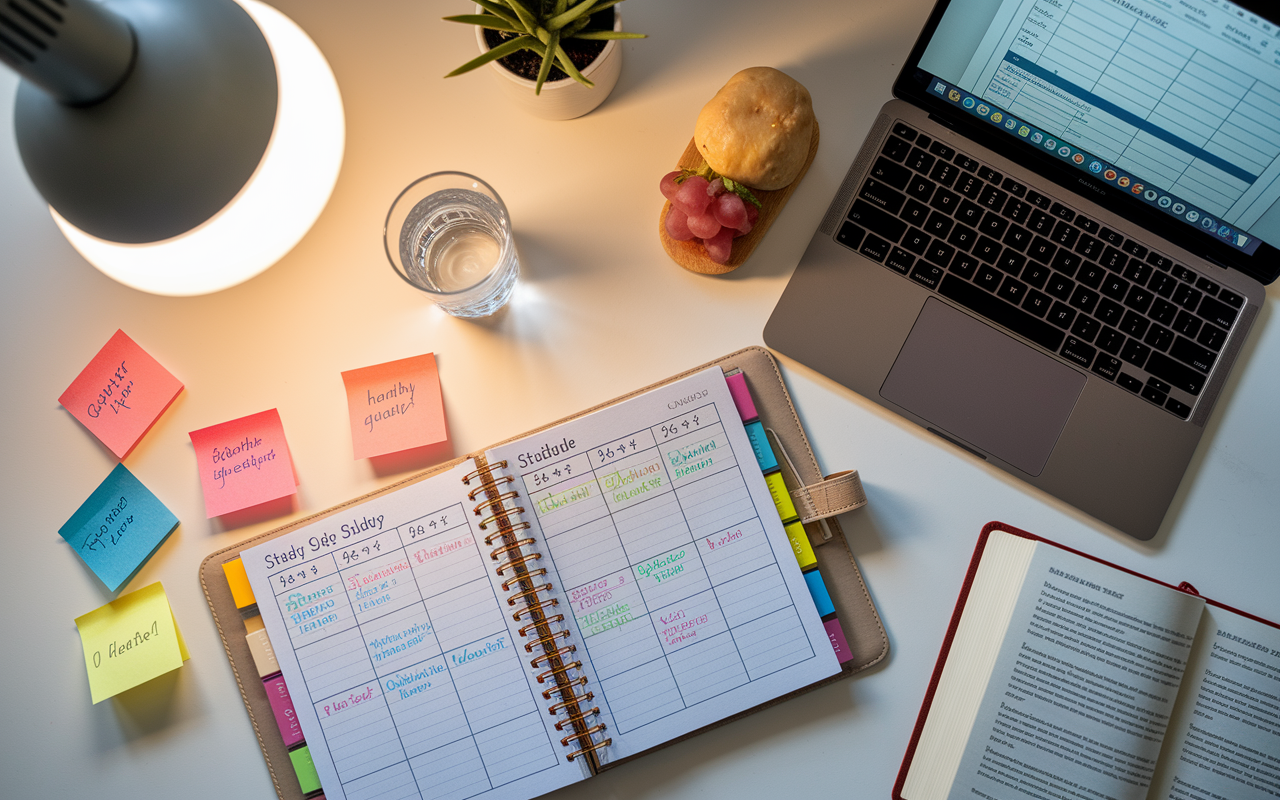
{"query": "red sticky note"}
(243, 462)
(121, 394)
(395, 406)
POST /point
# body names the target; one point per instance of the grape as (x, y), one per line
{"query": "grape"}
(704, 226)
(692, 197)
(668, 185)
(716, 188)
(730, 211)
(720, 245)
(678, 225)
(753, 214)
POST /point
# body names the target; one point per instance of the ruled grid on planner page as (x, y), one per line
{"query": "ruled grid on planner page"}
(683, 594)
(408, 674)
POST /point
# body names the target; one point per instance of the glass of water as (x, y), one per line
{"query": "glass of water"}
(448, 234)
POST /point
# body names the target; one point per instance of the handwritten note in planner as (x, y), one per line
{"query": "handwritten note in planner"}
(118, 528)
(395, 406)
(120, 394)
(243, 463)
(406, 669)
(684, 592)
(130, 641)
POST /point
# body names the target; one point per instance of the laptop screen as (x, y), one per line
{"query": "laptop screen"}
(1174, 104)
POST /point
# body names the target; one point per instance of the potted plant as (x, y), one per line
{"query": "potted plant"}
(557, 59)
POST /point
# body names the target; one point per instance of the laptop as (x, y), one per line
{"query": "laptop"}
(1052, 245)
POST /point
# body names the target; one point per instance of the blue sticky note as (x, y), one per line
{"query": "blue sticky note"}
(818, 590)
(117, 529)
(760, 445)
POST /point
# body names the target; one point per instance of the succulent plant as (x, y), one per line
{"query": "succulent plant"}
(540, 26)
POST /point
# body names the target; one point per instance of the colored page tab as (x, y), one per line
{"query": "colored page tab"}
(241, 591)
(781, 497)
(282, 708)
(243, 462)
(118, 528)
(800, 544)
(120, 394)
(305, 768)
(264, 658)
(395, 406)
(839, 644)
(741, 396)
(760, 446)
(818, 589)
(129, 641)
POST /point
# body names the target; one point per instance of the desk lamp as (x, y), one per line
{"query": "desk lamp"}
(183, 146)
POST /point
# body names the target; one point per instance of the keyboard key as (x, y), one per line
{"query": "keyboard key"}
(987, 249)
(1079, 352)
(919, 160)
(989, 175)
(874, 247)
(939, 253)
(1042, 250)
(921, 188)
(1153, 394)
(969, 185)
(1138, 271)
(988, 277)
(1217, 312)
(1187, 325)
(1060, 286)
(969, 213)
(1065, 234)
(1129, 382)
(1207, 286)
(1113, 259)
(993, 198)
(1138, 299)
(944, 173)
(1085, 224)
(1212, 337)
(1062, 315)
(964, 265)
(1037, 199)
(927, 274)
(1089, 247)
(1135, 352)
(1036, 274)
(1163, 311)
(881, 196)
(945, 201)
(1038, 303)
(938, 224)
(1159, 337)
(1018, 211)
(1084, 299)
(1110, 340)
(1040, 222)
(993, 225)
(850, 235)
(1011, 261)
(1067, 262)
(1158, 385)
(1134, 249)
(1107, 367)
(1062, 212)
(1085, 328)
(1109, 311)
(1183, 274)
(915, 213)
(1114, 286)
(1134, 324)
(964, 162)
(1013, 187)
(963, 237)
(1158, 261)
(1162, 284)
(1172, 372)
(923, 141)
(1012, 290)
(1001, 313)
(1017, 237)
(1178, 407)
(904, 130)
(1188, 352)
(1091, 275)
(896, 148)
(900, 260)
(1187, 297)
(888, 172)
(1231, 298)
(942, 151)
(877, 221)
(916, 240)
(1111, 237)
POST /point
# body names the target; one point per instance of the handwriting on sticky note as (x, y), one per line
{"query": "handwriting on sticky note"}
(119, 527)
(129, 641)
(243, 462)
(395, 406)
(120, 394)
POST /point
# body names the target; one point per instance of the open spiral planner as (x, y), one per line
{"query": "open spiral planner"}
(527, 616)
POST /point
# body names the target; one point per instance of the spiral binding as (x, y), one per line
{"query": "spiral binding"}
(509, 551)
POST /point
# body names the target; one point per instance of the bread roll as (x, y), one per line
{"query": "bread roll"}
(757, 128)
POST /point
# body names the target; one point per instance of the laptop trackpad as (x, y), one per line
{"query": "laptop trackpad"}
(983, 387)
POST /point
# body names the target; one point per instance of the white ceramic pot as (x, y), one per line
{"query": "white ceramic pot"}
(562, 99)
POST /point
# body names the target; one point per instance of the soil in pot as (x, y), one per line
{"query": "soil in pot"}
(581, 52)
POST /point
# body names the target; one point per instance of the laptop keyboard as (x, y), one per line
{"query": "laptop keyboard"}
(1092, 296)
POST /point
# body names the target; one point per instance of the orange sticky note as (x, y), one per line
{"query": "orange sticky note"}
(122, 392)
(243, 462)
(395, 406)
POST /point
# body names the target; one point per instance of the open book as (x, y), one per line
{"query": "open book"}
(538, 611)
(1064, 677)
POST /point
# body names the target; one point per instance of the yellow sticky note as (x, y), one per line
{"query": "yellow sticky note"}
(241, 591)
(800, 544)
(781, 497)
(129, 641)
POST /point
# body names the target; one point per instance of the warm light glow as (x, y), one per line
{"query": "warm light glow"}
(276, 207)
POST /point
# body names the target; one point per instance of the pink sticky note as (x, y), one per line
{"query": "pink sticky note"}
(122, 392)
(395, 406)
(243, 462)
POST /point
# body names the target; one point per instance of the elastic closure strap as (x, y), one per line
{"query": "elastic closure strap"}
(834, 494)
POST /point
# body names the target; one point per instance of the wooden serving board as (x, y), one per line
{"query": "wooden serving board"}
(693, 256)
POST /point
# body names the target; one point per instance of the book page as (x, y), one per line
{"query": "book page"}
(1224, 741)
(673, 567)
(1084, 685)
(403, 667)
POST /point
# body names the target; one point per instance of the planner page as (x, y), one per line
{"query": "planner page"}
(672, 566)
(408, 677)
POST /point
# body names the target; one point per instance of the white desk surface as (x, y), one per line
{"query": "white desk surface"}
(600, 311)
